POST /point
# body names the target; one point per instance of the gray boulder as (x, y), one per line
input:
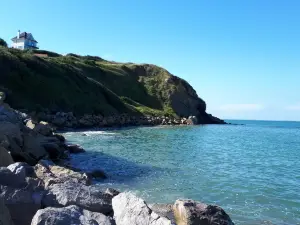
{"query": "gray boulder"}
(164, 210)
(8, 178)
(5, 218)
(86, 197)
(5, 157)
(51, 174)
(22, 203)
(71, 215)
(189, 212)
(131, 210)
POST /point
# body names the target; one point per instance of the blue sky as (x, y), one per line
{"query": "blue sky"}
(242, 57)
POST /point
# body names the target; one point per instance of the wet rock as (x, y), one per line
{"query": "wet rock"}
(87, 197)
(97, 174)
(189, 212)
(70, 215)
(75, 149)
(131, 210)
(5, 157)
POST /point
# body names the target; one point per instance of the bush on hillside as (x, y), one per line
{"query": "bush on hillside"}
(3, 43)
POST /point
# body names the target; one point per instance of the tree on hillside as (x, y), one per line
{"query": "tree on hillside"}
(3, 43)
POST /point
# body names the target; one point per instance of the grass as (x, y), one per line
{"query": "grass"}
(83, 84)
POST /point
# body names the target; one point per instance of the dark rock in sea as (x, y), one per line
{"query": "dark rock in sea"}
(75, 149)
(189, 212)
(97, 174)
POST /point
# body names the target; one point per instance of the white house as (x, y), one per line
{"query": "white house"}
(23, 41)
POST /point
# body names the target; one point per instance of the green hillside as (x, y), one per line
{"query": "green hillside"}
(40, 80)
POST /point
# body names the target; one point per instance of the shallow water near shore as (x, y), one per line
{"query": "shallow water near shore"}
(250, 170)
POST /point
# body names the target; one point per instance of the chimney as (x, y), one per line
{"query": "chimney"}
(18, 34)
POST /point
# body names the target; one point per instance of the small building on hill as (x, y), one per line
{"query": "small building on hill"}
(24, 40)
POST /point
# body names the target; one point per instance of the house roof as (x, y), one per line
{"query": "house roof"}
(24, 35)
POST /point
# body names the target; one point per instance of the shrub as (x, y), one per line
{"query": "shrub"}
(3, 43)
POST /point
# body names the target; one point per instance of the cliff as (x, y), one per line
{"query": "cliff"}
(45, 81)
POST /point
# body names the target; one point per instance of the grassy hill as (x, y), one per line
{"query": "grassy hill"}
(38, 80)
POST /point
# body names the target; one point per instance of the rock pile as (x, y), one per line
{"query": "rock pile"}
(49, 194)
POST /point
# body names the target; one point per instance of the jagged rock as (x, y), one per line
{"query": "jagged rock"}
(131, 210)
(22, 203)
(164, 210)
(8, 178)
(71, 215)
(5, 218)
(86, 197)
(52, 174)
(75, 149)
(21, 169)
(5, 158)
(112, 192)
(189, 212)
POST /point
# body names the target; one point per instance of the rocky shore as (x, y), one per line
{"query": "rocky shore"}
(38, 187)
(63, 120)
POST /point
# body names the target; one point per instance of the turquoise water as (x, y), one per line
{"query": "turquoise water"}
(251, 170)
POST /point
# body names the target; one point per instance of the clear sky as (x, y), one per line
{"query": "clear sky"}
(242, 57)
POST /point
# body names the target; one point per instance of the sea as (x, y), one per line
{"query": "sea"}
(250, 169)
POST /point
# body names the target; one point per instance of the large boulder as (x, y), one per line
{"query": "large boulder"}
(33, 145)
(70, 215)
(5, 218)
(131, 210)
(5, 157)
(51, 174)
(189, 212)
(8, 178)
(11, 131)
(87, 197)
(22, 203)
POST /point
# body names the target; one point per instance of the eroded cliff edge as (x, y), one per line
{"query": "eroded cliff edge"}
(46, 83)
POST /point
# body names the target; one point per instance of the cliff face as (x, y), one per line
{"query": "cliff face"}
(91, 85)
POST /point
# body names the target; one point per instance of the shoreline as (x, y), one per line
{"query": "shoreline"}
(37, 183)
